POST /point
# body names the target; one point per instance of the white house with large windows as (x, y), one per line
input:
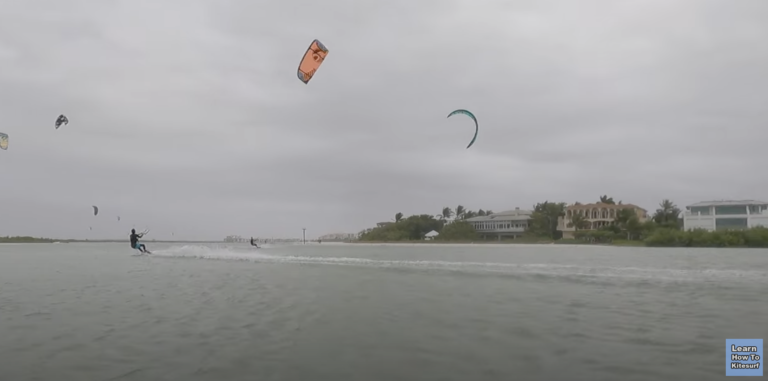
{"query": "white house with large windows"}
(725, 215)
(511, 223)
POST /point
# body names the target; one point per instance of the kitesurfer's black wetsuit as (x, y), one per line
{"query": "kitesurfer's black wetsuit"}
(253, 243)
(135, 242)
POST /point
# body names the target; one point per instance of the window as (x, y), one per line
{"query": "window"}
(730, 223)
(731, 209)
(756, 209)
(704, 210)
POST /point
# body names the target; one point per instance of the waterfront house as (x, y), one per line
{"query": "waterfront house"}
(510, 223)
(725, 215)
(596, 216)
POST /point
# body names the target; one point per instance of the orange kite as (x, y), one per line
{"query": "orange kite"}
(312, 60)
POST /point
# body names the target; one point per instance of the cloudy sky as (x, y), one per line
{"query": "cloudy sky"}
(186, 116)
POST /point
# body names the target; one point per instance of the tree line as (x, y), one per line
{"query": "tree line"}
(450, 223)
(447, 214)
(24, 239)
(663, 228)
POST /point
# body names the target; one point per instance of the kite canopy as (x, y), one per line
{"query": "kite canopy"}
(95, 210)
(3, 141)
(311, 61)
(471, 115)
(61, 120)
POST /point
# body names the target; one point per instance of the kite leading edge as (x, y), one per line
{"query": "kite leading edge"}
(311, 61)
(471, 115)
(61, 120)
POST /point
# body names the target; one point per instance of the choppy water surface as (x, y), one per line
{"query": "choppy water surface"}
(85, 312)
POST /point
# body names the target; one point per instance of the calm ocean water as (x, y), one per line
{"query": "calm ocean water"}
(218, 312)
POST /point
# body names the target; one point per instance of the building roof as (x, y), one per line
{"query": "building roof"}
(507, 215)
(432, 234)
(603, 205)
(727, 202)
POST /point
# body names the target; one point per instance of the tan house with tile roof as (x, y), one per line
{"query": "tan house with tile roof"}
(597, 215)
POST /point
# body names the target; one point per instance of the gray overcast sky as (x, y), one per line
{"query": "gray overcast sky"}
(186, 116)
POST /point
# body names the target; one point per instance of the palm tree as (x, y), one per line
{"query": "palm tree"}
(579, 222)
(460, 212)
(488, 212)
(627, 220)
(398, 217)
(668, 213)
(481, 212)
(607, 200)
(623, 215)
(447, 213)
(469, 214)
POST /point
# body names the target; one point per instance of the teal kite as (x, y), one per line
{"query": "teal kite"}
(471, 115)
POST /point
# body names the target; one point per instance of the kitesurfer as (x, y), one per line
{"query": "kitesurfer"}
(135, 244)
(254, 243)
